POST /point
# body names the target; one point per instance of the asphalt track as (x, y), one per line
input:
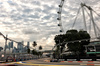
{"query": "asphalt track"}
(45, 62)
(51, 64)
(30, 64)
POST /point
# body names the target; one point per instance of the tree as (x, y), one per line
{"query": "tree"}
(40, 47)
(59, 40)
(77, 47)
(40, 53)
(34, 52)
(34, 44)
(1, 48)
(72, 35)
(28, 50)
(84, 35)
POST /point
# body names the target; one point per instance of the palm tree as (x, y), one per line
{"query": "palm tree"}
(34, 44)
(40, 53)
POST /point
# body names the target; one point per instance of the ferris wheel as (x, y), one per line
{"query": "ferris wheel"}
(84, 9)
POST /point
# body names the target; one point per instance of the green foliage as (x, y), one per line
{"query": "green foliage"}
(34, 44)
(28, 50)
(40, 53)
(34, 52)
(40, 47)
(59, 38)
(72, 35)
(83, 35)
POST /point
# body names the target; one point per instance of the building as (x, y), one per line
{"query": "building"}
(28, 43)
(20, 48)
(6, 46)
(11, 44)
(93, 48)
(14, 50)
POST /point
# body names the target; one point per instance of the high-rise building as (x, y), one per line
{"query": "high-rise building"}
(22, 43)
(28, 44)
(20, 48)
(19, 45)
(11, 44)
(6, 46)
(15, 50)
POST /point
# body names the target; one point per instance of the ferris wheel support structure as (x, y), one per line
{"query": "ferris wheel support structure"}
(83, 5)
(92, 18)
(84, 20)
(93, 22)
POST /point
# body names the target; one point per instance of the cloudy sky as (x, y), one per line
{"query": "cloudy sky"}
(36, 20)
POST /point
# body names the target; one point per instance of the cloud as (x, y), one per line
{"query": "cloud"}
(30, 31)
(36, 20)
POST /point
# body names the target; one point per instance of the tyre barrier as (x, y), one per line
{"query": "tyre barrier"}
(55, 61)
(17, 60)
(10, 60)
(20, 60)
(72, 61)
(90, 64)
(82, 61)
